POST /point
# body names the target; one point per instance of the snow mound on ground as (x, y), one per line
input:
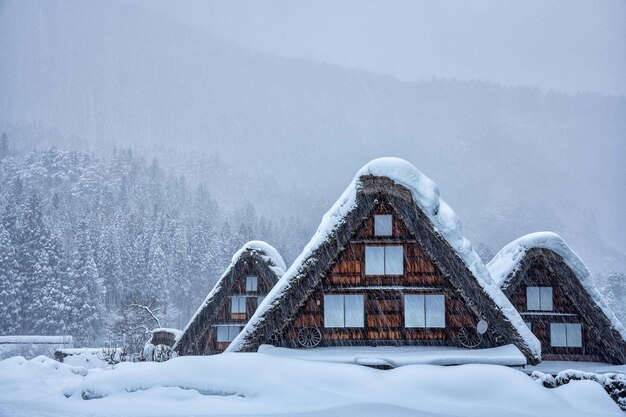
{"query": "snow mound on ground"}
(426, 195)
(257, 384)
(396, 356)
(506, 263)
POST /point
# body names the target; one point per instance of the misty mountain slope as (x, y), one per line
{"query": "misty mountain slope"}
(508, 160)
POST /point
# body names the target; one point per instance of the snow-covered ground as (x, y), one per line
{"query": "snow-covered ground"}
(259, 384)
(395, 356)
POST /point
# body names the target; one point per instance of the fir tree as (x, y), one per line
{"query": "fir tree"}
(10, 286)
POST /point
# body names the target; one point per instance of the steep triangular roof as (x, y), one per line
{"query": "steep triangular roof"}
(265, 260)
(437, 229)
(511, 262)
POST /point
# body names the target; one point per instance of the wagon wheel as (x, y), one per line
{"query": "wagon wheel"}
(309, 337)
(469, 337)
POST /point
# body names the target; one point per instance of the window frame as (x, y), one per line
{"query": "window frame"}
(569, 341)
(421, 321)
(231, 334)
(239, 299)
(331, 322)
(249, 279)
(387, 252)
(383, 225)
(546, 302)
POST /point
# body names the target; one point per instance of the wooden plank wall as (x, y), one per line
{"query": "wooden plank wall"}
(384, 309)
(542, 275)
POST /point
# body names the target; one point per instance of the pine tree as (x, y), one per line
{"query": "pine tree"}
(85, 291)
(42, 269)
(10, 286)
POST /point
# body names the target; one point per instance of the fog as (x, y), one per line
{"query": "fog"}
(568, 46)
(293, 97)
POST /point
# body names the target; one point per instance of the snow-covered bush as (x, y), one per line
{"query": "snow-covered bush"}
(613, 383)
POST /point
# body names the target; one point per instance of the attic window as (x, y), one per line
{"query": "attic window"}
(237, 305)
(425, 310)
(343, 311)
(383, 225)
(384, 260)
(251, 283)
(539, 298)
(227, 333)
(566, 335)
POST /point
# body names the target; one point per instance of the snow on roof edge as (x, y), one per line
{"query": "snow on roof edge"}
(266, 251)
(426, 195)
(506, 263)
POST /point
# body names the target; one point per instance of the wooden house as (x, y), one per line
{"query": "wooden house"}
(388, 267)
(554, 292)
(254, 270)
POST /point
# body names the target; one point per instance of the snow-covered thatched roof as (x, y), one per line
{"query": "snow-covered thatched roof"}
(269, 259)
(506, 263)
(424, 194)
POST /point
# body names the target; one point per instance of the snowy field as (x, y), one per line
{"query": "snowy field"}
(256, 384)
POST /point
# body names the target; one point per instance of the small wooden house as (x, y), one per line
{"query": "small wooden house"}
(388, 266)
(555, 294)
(254, 270)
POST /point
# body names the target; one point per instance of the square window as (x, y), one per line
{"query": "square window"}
(237, 305)
(425, 311)
(539, 299)
(251, 283)
(343, 311)
(383, 224)
(384, 260)
(227, 333)
(529, 325)
(260, 299)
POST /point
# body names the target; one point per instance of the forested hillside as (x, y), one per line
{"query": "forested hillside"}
(79, 233)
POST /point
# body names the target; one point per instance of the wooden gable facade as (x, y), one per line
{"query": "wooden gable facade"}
(231, 303)
(560, 312)
(385, 277)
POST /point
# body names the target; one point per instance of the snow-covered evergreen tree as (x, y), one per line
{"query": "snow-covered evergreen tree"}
(10, 286)
(84, 291)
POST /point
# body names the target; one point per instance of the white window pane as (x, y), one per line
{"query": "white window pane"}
(414, 311)
(238, 305)
(558, 335)
(546, 298)
(353, 305)
(233, 331)
(222, 334)
(382, 225)
(529, 325)
(260, 299)
(574, 335)
(251, 283)
(532, 298)
(333, 311)
(435, 311)
(394, 260)
(374, 260)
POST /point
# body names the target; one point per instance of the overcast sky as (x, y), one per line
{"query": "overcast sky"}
(563, 45)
